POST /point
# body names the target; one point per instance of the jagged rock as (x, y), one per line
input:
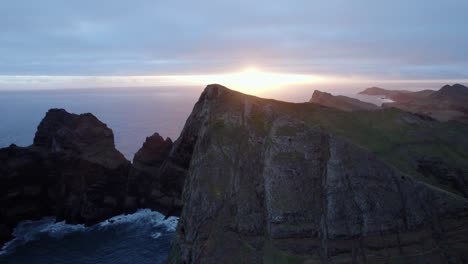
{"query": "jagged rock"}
(275, 182)
(153, 153)
(147, 163)
(83, 135)
(341, 102)
(72, 171)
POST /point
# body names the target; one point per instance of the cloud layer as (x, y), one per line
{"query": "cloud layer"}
(376, 39)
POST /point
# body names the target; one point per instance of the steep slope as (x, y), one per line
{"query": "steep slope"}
(340, 102)
(274, 182)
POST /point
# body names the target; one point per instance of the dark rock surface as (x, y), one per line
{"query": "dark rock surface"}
(274, 182)
(74, 172)
(145, 174)
(341, 102)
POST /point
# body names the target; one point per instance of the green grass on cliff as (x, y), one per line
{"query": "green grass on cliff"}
(397, 137)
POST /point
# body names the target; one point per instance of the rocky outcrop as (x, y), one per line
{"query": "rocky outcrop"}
(145, 174)
(82, 136)
(274, 182)
(341, 102)
(71, 171)
(153, 153)
(383, 92)
(74, 172)
(448, 103)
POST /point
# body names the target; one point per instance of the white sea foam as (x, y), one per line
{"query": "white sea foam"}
(156, 235)
(28, 230)
(171, 223)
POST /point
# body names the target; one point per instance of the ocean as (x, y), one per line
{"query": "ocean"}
(142, 237)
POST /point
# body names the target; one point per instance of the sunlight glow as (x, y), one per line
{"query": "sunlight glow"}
(252, 80)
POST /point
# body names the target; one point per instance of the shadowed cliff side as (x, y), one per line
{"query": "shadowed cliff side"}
(71, 171)
(74, 172)
(275, 182)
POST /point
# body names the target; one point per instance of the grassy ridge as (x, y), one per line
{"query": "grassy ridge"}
(400, 138)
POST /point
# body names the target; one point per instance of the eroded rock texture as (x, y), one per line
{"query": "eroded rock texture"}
(272, 182)
(145, 174)
(72, 171)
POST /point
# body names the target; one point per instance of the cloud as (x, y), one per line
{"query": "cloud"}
(391, 39)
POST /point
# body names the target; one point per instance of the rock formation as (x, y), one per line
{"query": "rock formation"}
(383, 92)
(275, 182)
(145, 190)
(340, 102)
(448, 103)
(73, 171)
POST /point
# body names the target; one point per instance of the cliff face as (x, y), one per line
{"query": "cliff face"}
(273, 182)
(341, 102)
(72, 171)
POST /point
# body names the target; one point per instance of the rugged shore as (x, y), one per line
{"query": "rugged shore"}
(74, 172)
(260, 181)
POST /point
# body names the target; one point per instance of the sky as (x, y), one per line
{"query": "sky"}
(52, 43)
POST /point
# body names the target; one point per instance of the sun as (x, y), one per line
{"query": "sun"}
(252, 80)
(251, 70)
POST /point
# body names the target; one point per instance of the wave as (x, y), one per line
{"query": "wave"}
(27, 231)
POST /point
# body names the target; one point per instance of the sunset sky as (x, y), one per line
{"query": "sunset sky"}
(55, 43)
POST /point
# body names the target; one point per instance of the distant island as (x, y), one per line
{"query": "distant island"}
(263, 181)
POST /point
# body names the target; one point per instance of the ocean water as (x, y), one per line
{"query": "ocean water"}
(142, 237)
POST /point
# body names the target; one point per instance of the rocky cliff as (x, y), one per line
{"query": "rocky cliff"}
(275, 182)
(260, 181)
(74, 172)
(341, 102)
